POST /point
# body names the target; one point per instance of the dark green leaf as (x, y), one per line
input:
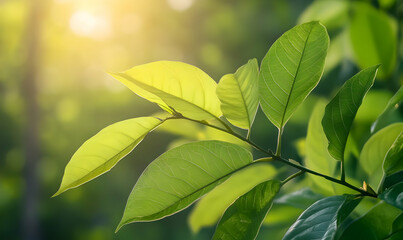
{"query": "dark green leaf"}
(374, 225)
(291, 69)
(321, 220)
(180, 176)
(341, 110)
(302, 198)
(244, 217)
(394, 195)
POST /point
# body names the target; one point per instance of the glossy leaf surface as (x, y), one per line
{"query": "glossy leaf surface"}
(394, 195)
(321, 220)
(243, 218)
(341, 110)
(239, 94)
(183, 87)
(291, 69)
(101, 152)
(180, 176)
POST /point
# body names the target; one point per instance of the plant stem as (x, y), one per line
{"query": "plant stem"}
(343, 173)
(280, 134)
(291, 177)
(273, 156)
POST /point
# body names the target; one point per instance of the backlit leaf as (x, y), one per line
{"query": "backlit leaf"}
(243, 218)
(101, 152)
(180, 176)
(238, 94)
(183, 87)
(291, 69)
(341, 110)
(394, 158)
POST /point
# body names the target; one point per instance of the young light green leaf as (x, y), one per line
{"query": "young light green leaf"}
(317, 157)
(291, 69)
(394, 158)
(211, 207)
(175, 86)
(243, 218)
(374, 152)
(341, 110)
(373, 37)
(101, 152)
(238, 94)
(321, 220)
(373, 225)
(392, 104)
(394, 195)
(180, 176)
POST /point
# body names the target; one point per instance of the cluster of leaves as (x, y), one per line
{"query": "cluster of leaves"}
(239, 190)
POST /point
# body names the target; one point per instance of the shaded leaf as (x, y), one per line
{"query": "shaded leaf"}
(243, 218)
(374, 225)
(321, 220)
(183, 87)
(341, 110)
(101, 152)
(212, 206)
(180, 176)
(291, 69)
(373, 38)
(394, 195)
(238, 94)
(374, 152)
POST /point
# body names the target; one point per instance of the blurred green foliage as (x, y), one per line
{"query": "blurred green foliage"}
(79, 41)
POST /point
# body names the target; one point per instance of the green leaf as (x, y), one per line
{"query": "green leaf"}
(374, 152)
(341, 110)
(374, 225)
(392, 104)
(321, 220)
(211, 207)
(331, 13)
(393, 162)
(374, 38)
(317, 157)
(239, 95)
(291, 69)
(180, 176)
(243, 218)
(104, 150)
(394, 195)
(183, 87)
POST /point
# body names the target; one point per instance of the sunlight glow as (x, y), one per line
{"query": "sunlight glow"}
(180, 5)
(86, 24)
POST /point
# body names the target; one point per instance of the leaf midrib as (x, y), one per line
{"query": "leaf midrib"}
(243, 100)
(295, 78)
(150, 86)
(139, 218)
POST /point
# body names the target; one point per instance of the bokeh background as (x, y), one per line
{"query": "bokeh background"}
(55, 93)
